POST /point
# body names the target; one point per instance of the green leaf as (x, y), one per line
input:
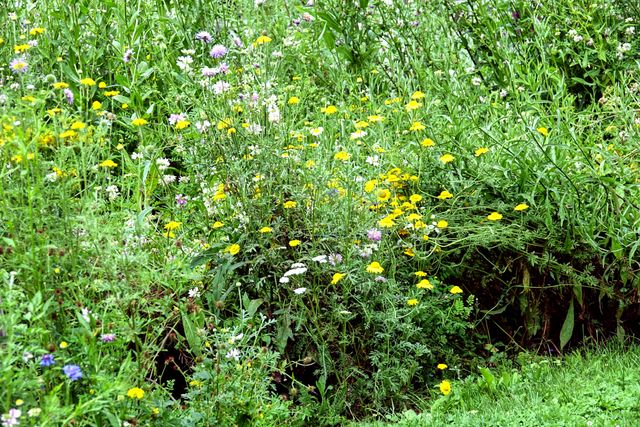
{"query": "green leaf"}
(567, 327)
(191, 335)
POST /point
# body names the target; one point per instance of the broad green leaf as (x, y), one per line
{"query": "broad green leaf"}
(567, 327)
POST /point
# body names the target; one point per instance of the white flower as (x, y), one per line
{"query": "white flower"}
(233, 354)
(86, 314)
(320, 258)
(194, 293)
(300, 291)
(284, 280)
(162, 163)
(136, 156)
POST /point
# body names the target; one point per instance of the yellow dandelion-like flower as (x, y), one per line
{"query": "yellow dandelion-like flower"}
(329, 109)
(88, 81)
(60, 85)
(337, 277)
(445, 387)
(262, 40)
(521, 207)
(290, 204)
(424, 284)
(445, 195)
(375, 268)
(266, 230)
(108, 164)
(455, 290)
(442, 224)
(494, 216)
(447, 158)
(135, 393)
(293, 100)
(342, 156)
(416, 126)
(427, 142)
(412, 302)
(543, 131)
(232, 249)
(480, 151)
(442, 366)
(139, 122)
(295, 242)
(172, 225)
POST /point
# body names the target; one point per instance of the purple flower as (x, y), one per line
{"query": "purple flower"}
(68, 95)
(210, 72)
(374, 234)
(238, 42)
(218, 51)
(72, 371)
(221, 87)
(204, 36)
(181, 200)
(223, 68)
(108, 337)
(127, 56)
(12, 418)
(47, 360)
(175, 118)
(19, 65)
(334, 259)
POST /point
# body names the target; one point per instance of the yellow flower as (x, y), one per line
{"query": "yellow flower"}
(232, 249)
(342, 155)
(447, 158)
(480, 151)
(337, 277)
(21, 48)
(455, 290)
(68, 134)
(412, 302)
(329, 109)
(420, 273)
(416, 126)
(262, 40)
(543, 131)
(428, 142)
(294, 243)
(445, 387)
(412, 105)
(424, 284)
(36, 31)
(445, 195)
(60, 85)
(77, 125)
(369, 186)
(442, 366)
(442, 224)
(521, 207)
(182, 124)
(172, 225)
(96, 105)
(375, 118)
(290, 204)
(102, 85)
(217, 224)
(409, 252)
(494, 216)
(111, 93)
(266, 230)
(135, 393)
(88, 81)
(108, 164)
(383, 195)
(417, 95)
(375, 268)
(293, 100)
(415, 198)
(387, 221)
(139, 122)
(64, 344)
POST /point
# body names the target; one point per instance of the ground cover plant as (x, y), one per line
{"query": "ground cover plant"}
(286, 213)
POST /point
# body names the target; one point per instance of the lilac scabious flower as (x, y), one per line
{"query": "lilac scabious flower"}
(209, 72)
(334, 259)
(221, 87)
(108, 337)
(218, 51)
(68, 95)
(47, 360)
(374, 234)
(181, 200)
(19, 65)
(204, 36)
(127, 56)
(175, 118)
(223, 68)
(12, 418)
(73, 372)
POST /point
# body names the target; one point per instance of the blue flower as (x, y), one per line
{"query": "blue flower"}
(73, 372)
(47, 360)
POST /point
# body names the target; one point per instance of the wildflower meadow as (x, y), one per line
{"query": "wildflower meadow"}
(319, 213)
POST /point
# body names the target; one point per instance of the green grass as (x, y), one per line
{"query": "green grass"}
(587, 388)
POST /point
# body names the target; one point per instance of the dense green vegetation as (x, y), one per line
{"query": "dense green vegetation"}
(285, 213)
